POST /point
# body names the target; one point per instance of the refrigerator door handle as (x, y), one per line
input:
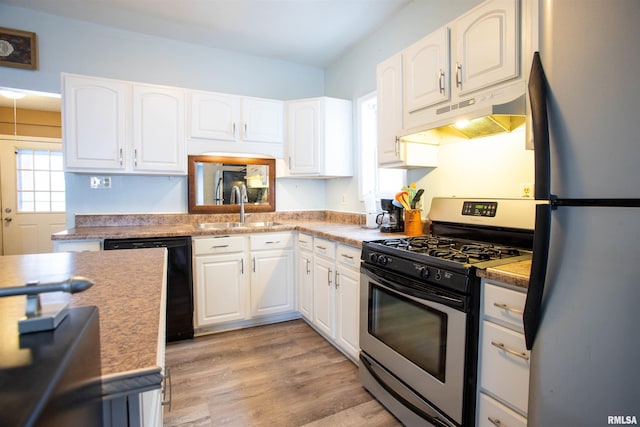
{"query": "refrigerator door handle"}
(533, 304)
(540, 128)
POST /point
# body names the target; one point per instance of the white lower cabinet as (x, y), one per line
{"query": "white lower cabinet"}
(220, 280)
(336, 283)
(243, 277)
(304, 278)
(503, 371)
(272, 274)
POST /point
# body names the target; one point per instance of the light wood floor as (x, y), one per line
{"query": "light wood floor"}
(276, 375)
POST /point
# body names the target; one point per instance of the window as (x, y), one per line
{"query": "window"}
(383, 183)
(40, 181)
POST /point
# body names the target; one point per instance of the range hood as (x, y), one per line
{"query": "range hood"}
(488, 113)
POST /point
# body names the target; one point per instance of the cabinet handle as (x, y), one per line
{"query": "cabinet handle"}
(233, 129)
(241, 265)
(397, 147)
(272, 242)
(219, 246)
(308, 262)
(322, 248)
(167, 376)
(458, 74)
(337, 275)
(245, 129)
(347, 256)
(329, 272)
(121, 158)
(441, 81)
(507, 308)
(496, 422)
(135, 157)
(501, 346)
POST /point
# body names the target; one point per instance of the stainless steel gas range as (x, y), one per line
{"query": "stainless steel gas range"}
(419, 307)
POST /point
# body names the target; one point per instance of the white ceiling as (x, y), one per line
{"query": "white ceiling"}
(311, 32)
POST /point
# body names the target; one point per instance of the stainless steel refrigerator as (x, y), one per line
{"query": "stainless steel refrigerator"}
(582, 314)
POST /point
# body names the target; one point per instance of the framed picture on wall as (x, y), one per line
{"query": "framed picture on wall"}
(18, 49)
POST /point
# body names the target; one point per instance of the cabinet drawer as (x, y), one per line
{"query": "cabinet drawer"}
(271, 241)
(503, 373)
(492, 413)
(217, 245)
(323, 247)
(305, 241)
(504, 305)
(349, 256)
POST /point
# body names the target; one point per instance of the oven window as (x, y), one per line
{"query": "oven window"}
(417, 332)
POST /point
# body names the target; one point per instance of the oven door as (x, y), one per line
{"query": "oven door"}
(418, 336)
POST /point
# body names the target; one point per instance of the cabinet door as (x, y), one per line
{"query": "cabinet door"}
(305, 284)
(390, 107)
(426, 71)
(487, 45)
(272, 282)
(214, 116)
(95, 129)
(347, 307)
(303, 137)
(324, 296)
(262, 120)
(158, 130)
(220, 288)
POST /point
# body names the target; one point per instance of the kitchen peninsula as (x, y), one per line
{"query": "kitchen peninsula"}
(129, 291)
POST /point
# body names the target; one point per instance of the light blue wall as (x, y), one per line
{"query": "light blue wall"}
(354, 75)
(72, 46)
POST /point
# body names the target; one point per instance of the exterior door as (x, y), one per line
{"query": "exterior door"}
(33, 194)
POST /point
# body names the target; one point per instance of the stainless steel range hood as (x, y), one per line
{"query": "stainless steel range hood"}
(488, 113)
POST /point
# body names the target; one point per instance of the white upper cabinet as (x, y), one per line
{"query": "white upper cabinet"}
(392, 151)
(121, 127)
(319, 137)
(426, 71)
(487, 45)
(94, 123)
(224, 117)
(214, 116)
(158, 129)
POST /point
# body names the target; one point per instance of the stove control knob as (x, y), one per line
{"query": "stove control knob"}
(383, 260)
(424, 272)
(373, 257)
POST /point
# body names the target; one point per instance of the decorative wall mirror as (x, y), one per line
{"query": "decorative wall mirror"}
(211, 179)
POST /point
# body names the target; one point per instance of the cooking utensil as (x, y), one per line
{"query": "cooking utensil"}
(402, 198)
(416, 198)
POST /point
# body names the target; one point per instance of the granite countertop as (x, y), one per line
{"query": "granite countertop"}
(129, 291)
(350, 234)
(516, 273)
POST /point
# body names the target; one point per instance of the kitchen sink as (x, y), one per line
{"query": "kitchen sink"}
(223, 225)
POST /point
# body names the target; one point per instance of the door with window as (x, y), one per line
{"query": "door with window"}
(33, 194)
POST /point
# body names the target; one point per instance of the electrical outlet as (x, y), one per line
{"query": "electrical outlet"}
(100, 182)
(526, 190)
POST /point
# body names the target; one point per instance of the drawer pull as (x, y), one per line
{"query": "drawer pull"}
(496, 422)
(516, 353)
(322, 248)
(272, 242)
(507, 308)
(219, 246)
(347, 256)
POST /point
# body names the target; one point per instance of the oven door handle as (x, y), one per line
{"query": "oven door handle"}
(437, 297)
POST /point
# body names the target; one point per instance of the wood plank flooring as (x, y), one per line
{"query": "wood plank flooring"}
(284, 374)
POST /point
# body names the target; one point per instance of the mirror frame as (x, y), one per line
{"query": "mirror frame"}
(270, 206)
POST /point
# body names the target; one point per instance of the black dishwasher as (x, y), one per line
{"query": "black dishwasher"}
(179, 280)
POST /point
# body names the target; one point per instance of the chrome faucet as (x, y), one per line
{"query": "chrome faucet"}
(239, 195)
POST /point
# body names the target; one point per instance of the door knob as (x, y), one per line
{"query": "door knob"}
(8, 219)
